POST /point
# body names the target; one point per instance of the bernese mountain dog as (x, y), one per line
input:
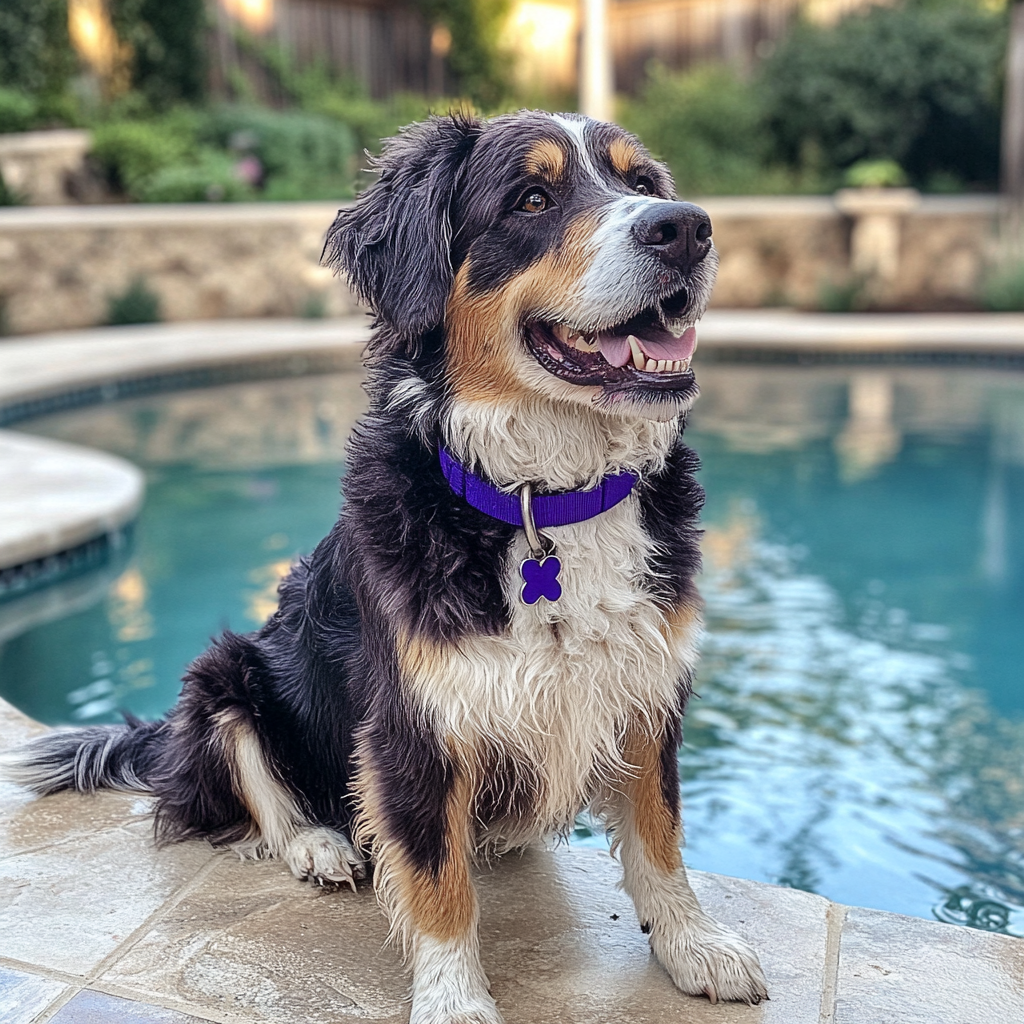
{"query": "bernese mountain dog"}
(502, 627)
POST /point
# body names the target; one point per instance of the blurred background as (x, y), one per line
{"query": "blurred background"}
(224, 101)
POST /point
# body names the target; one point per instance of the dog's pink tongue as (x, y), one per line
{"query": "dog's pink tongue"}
(615, 347)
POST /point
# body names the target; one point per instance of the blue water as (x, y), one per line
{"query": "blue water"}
(860, 726)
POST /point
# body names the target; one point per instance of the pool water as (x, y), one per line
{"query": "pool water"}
(860, 726)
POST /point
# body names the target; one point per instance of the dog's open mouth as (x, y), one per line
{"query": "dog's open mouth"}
(641, 351)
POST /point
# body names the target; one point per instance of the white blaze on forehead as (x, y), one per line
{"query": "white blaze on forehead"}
(621, 267)
(577, 132)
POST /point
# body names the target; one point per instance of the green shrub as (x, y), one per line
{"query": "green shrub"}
(706, 124)
(17, 110)
(875, 174)
(210, 177)
(132, 152)
(135, 305)
(1003, 287)
(303, 155)
(917, 83)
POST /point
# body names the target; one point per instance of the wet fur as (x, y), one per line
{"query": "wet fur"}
(401, 705)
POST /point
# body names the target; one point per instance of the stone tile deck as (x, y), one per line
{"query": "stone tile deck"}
(98, 925)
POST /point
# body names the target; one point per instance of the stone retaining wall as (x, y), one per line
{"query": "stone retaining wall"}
(59, 267)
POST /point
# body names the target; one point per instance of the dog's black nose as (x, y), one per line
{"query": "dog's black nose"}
(680, 233)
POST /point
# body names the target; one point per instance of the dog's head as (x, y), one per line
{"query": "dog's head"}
(550, 248)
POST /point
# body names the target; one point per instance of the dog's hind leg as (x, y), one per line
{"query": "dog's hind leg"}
(643, 812)
(312, 852)
(419, 823)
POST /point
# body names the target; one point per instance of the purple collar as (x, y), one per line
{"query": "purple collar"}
(548, 509)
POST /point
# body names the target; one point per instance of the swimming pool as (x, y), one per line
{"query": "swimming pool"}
(860, 726)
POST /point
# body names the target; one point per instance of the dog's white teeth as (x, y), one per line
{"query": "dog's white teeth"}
(587, 343)
(684, 364)
(662, 365)
(639, 360)
(652, 365)
(561, 332)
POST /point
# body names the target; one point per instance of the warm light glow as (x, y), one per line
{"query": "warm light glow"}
(255, 15)
(441, 41)
(94, 39)
(543, 36)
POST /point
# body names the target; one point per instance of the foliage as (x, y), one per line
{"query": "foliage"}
(1003, 287)
(35, 51)
(131, 152)
(226, 154)
(875, 174)
(135, 305)
(168, 48)
(209, 177)
(707, 125)
(301, 155)
(475, 57)
(17, 110)
(916, 83)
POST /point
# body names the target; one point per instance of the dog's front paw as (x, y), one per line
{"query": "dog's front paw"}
(322, 855)
(703, 958)
(454, 1008)
(449, 985)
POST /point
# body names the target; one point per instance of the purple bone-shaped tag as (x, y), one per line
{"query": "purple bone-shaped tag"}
(540, 579)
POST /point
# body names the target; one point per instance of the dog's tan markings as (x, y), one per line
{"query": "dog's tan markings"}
(444, 905)
(484, 327)
(546, 158)
(624, 155)
(417, 901)
(683, 619)
(658, 828)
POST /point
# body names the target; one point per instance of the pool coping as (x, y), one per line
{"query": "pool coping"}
(41, 374)
(827, 964)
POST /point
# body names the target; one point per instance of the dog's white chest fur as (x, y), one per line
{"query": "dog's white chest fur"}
(556, 692)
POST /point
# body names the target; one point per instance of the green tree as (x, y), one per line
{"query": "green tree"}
(476, 57)
(35, 51)
(917, 83)
(168, 40)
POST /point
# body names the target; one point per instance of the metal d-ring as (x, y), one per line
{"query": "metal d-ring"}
(540, 546)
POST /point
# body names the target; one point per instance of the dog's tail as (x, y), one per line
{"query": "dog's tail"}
(98, 757)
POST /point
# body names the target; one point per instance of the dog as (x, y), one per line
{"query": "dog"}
(502, 627)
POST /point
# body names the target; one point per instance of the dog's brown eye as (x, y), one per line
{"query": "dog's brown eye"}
(644, 186)
(534, 201)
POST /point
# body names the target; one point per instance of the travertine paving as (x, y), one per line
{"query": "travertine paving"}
(98, 925)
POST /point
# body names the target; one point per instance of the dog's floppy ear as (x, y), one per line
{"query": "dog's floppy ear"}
(394, 244)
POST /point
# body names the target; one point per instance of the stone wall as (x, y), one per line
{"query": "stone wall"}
(795, 250)
(59, 267)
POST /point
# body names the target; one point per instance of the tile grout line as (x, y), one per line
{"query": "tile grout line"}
(836, 918)
(124, 947)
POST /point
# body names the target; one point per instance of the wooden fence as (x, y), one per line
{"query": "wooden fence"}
(386, 44)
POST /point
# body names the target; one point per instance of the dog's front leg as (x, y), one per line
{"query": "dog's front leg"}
(643, 812)
(422, 877)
